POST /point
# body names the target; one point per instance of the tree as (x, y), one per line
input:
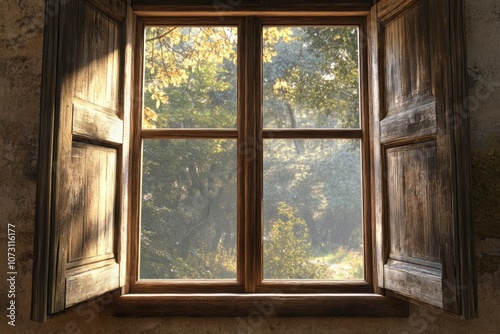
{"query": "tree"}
(287, 248)
(188, 216)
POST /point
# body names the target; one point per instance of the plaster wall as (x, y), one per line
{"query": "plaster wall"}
(21, 38)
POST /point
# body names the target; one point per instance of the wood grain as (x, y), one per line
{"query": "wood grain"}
(266, 305)
(43, 224)
(85, 98)
(312, 133)
(411, 124)
(466, 254)
(250, 135)
(376, 163)
(92, 200)
(412, 206)
(420, 228)
(91, 283)
(247, 7)
(92, 124)
(415, 282)
(420, 170)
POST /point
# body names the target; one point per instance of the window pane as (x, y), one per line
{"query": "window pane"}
(310, 77)
(188, 218)
(312, 209)
(190, 77)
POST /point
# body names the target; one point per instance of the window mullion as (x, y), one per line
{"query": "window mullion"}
(251, 48)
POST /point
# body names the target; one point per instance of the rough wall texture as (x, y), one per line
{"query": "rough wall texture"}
(21, 30)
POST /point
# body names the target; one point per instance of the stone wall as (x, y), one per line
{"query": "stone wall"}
(21, 38)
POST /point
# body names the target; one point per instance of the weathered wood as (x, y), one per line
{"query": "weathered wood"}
(97, 59)
(89, 260)
(416, 282)
(78, 204)
(305, 286)
(376, 163)
(387, 10)
(62, 156)
(188, 133)
(89, 123)
(411, 124)
(265, 305)
(368, 228)
(308, 21)
(127, 44)
(252, 156)
(241, 189)
(93, 201)
(43, 225)
(132, 276)
(311, 133)
(247, 7)
(462, 158)
(81, 183)
(417, 216)
(117, 9)
(186, 286)
(91, 283)
(412, 207)
(408, 59)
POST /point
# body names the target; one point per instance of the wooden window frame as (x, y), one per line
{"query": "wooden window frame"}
(456, 283)
(290, 298)
(249, 135)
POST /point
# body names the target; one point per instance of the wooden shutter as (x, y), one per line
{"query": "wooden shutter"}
(82, 192)
(421, 154)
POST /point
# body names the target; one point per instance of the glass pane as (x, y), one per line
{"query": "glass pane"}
(188, 216)
(311, 77)
(313, 209)
(190, 77)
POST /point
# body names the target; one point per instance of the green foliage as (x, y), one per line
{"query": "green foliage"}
(287, 249)
(344, 264)
(188, 214)
(203, 263)
(313, 81)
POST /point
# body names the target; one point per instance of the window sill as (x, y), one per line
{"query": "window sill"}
(268, 305)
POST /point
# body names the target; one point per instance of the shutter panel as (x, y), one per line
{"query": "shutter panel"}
(420, 154)
(82, 194)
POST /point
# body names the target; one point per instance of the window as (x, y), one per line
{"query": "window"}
(182, 184)
(200, 141)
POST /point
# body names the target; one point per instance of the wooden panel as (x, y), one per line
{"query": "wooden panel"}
(413, 124)
(97, 59)
(115, 8)
(417, 282)
(81, 102)
(245, 6)
(408, 61)
(60, 226)
(376, 162)
(386, 10)
(268, 305)
(89, 123)
(465, 236)
(435, 47)
(90, 283)
(42, 239)
(418, 51)
(78, 204)
(412, 202)
(396, 65)
(93, 201)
